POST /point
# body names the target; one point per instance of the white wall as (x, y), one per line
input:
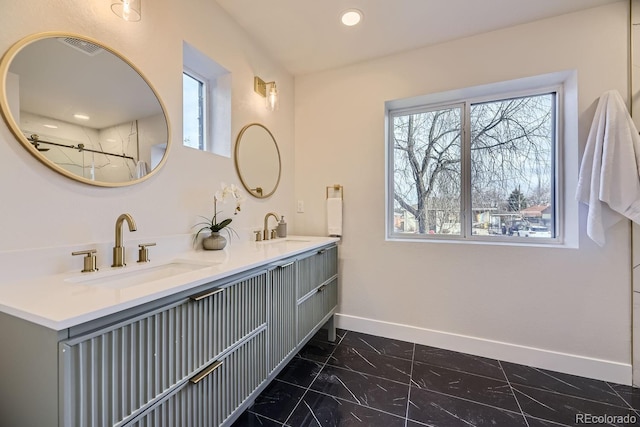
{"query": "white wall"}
(40, 208)
(558, 308)
(565, 305)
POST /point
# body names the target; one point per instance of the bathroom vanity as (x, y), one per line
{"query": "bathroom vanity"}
(187, 342)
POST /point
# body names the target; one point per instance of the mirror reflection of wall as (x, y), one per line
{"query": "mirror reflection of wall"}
(257, 160)
(86, 111)
(122, 142)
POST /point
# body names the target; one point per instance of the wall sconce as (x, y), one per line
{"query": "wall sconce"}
(129, 10)
(260, 87)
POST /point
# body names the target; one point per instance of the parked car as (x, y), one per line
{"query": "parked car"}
(534, 231)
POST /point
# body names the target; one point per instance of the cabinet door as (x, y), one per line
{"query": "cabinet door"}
(113, 373)
(210, 396)
(316, 269)
(282, 315)
(330, 297)
(315, 308)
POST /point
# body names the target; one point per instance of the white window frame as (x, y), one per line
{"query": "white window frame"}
(204, 106)
(217, 117)
(495, 92)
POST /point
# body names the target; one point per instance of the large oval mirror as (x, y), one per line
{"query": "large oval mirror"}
(83, 110)
(257, 160)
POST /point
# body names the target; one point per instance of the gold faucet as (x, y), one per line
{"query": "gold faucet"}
(118, 250)
(265, 232)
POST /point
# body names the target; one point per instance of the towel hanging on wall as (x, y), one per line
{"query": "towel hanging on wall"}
(334, 210)
(334, 216)
(609, 176)
(141, 169)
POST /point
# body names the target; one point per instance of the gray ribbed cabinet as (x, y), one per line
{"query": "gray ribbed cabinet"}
(109, 375)
(317, 291)
(196, 359)
(283, 315)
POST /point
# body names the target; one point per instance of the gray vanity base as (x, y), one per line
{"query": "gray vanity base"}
(195, 359)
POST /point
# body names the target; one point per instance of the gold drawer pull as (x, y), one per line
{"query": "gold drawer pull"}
(287, 265)
(207, 295)
(321, 288)
(206, 372)
(321, 251)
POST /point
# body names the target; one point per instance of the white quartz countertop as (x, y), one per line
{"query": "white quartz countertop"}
(64, 300)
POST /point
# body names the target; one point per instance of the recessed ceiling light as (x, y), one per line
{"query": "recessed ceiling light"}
(351, 17)
(81, 116)
(51, 126)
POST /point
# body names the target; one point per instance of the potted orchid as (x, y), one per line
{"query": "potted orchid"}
(215, 241)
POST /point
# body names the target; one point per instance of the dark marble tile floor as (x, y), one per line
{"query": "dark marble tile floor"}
(369, 381)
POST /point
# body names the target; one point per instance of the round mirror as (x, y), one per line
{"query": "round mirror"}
(257, 160)
(83, 110)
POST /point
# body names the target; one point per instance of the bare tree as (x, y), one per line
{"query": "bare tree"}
(511, 143)
(427, 150)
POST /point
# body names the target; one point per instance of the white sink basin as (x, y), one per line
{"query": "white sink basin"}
(122, 279)
(285, 240)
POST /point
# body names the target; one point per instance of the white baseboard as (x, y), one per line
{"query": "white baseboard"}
(605, 370)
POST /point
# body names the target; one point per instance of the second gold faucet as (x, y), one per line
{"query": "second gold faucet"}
(118, 250)
(265, 232)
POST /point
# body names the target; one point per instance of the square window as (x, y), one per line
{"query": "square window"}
(482, 168)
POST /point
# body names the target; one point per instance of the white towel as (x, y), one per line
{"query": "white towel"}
(141, 169)
(609, 175)
(334, 216)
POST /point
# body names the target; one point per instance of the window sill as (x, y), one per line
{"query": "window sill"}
(521, 242)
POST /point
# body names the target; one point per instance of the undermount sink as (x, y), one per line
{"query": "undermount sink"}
(129, 278)
(293, 240)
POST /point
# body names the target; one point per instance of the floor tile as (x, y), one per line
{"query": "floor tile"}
(323, 335)
(488, 391)
(368, 362)
(562, 383)
(277, 401)
(319, 410)
(300, 372)
(438, 410)
(535, 422)
(459, 361)
(631, 395)
(248, 419)
(380, 345)
(561, 408)
(368, 381)
(317, 350)
(365, 390)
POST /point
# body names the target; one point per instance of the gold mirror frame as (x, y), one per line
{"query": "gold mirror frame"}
(255, 189)
(31, 147)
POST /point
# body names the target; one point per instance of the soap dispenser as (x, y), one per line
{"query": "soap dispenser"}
(282, 228)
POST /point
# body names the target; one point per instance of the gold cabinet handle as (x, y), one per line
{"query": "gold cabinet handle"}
(286, 265)
(207, 295)
(206, 372)
(321, 251)
(321, 288)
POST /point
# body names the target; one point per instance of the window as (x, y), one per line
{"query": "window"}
(194, 110)
(482, 168)
(206, 103)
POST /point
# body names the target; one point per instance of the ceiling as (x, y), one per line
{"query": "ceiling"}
(306, 36)
(58, 80)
